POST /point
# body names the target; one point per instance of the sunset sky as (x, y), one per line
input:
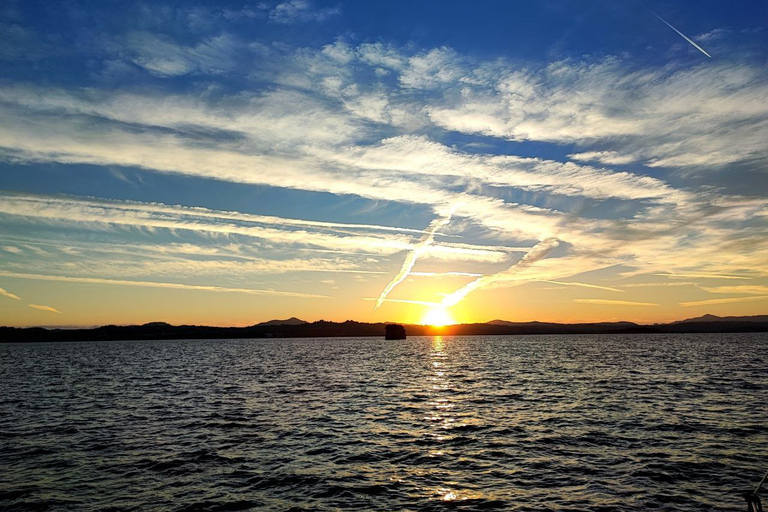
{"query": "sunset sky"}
(230, 163)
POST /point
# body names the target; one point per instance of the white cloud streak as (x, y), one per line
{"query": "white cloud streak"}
(413, 255)
(334, 236)
(300, 11)
(689, 275)
(606, 302)
(348, 119)
(732, 300)
(444, 274)
(752, 290)
(405, 301)
(659, 285)
(152, 284)
(682, 35)
(583, 285)
(6, 293)
(539, 251)
(49, 309)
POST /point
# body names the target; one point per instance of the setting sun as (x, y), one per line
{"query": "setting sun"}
(438, 317)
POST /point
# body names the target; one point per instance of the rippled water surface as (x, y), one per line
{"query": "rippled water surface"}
(582, 423)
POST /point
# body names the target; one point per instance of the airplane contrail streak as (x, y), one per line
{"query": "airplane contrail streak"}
(410, 260)
(681, 34)
(405, 301)
(539, 251)
(583, 285)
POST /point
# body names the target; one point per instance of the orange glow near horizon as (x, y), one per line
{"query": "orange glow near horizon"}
(437, 317)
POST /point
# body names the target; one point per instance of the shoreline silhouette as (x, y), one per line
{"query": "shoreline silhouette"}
(295, 328)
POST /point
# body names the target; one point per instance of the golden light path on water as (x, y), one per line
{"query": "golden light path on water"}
(443, 415)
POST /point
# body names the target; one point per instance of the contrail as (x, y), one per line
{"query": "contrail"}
(539, 251)
(405, 301)
(583, 285)
(410, 260)
(681, 34)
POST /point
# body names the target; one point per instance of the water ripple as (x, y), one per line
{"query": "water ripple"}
(561, 423)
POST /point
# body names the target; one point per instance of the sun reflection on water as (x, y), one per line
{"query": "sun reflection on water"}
(442, 416)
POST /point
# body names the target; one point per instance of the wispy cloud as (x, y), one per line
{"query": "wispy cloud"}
(365, 120)
(413, 255)
(327, 235)
(713, 35)
(583, 285)
(6, 293)
(606, 302)
(661, 285)
(539, 251)
(682, 35)
(604, 157)
(702, 276)
(162, 56)
(405, 301)
(152, 284)
(298, 11)
(420, 155)
(752, 290)
(732, 300)
(44, 308)
(444, 274)
(670, 118)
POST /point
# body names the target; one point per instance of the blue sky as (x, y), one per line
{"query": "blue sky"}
(227, 163)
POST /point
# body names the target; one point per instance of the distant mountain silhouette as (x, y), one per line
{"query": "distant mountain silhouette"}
(536, 323)
(291, 321)
(295, 328)
(713, 318)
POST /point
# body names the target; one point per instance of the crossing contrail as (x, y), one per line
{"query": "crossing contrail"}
(537, 252)
(410, 260)
(681, 34)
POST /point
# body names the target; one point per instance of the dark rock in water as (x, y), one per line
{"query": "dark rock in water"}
(394, 332)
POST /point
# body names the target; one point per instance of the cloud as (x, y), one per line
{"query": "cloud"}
(444, 274)
(6, 293)
(583, 285)
(701, 116)
(152, 284)
(413, 255)
(732, 300)
(405, 301)
(654, 285)
(300, 11)
(411, 154)
(372, 121)
(752, 290)
(431, 69)
(605, 302)
(537, 252)
(692, 43)
(45, 308)
(347, 237)
(604, 157)
(162, 56)
(701, 276)
(712, 35)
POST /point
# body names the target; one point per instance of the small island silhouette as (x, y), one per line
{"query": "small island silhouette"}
(394, 332)
(295, 328)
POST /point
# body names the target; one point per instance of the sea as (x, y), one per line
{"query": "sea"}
(516, 423)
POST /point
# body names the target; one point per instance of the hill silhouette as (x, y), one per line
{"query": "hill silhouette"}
(295, 328)
(291, 321)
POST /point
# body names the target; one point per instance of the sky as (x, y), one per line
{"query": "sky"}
(227, 163)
